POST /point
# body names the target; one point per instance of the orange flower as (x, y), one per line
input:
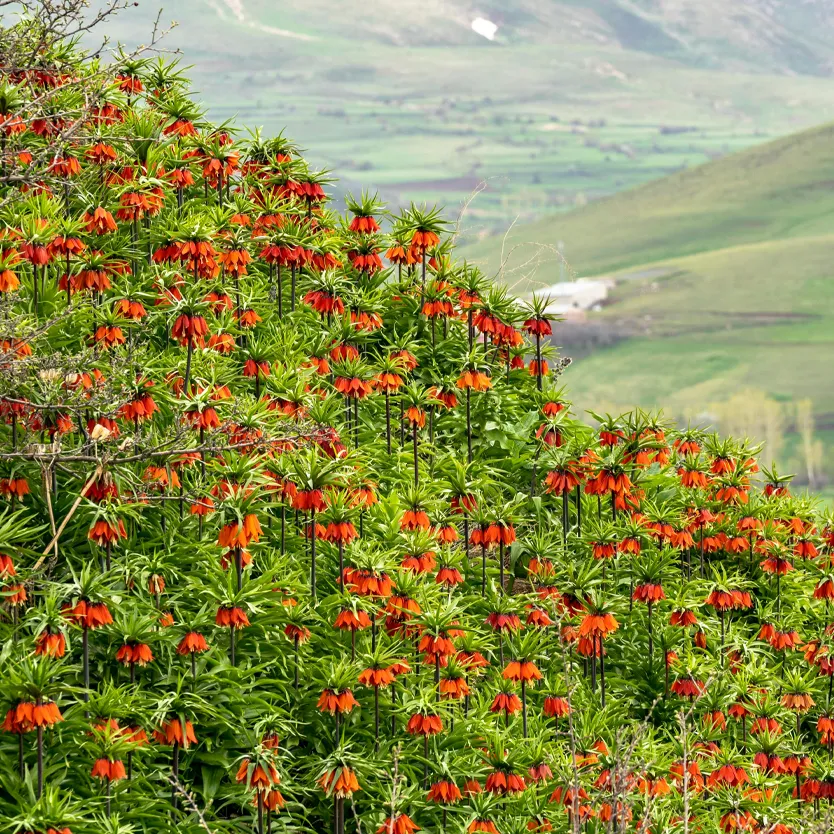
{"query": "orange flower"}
(441, 644)
(336, 702)
(100, 221)
(14, 487)
(415, 416)
(376, 677)
(648, 593)
(364, 224)
(444, 793)
(234, 261)
(367, 583)
(454, 687)
(9, 282)
(138, 653)
(239, 535)
(503, 622)
(293, 631)
(231, 617)
(415, 519)
(448, 577)
(29, 715)
(90, 615)
(258, 779)
(499, 533)
(106, 532)
(347, 620)
(171, 732)
(400, 824)
(387, 381)
(188, 328)
(504, 784)
(683, 618)
(50, 645)
(222, 342)
(538, 617)
(522, 670)
(556, 706)
(206, 419)
(341, 782)
(341, 532)
(474, 379)
(506, 702)
(139, 409)
(560, 482)
(598, 625)
(309, 499)
(797, 702)
(424, 725)
(192, 643)
(110, 771)
(688, 687)
(107, 337)
(353, 387)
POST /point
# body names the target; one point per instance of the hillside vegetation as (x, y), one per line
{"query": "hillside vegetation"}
(301, 532)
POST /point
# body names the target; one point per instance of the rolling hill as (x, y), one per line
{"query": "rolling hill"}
(724, 284)
(782, 189)
(572, 100)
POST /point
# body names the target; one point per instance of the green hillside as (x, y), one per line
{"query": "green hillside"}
(725, 288)
(783, 189)
(573, 100)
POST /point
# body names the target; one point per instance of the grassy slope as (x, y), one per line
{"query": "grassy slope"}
(405, 98)
(779, 190)
(723, 323)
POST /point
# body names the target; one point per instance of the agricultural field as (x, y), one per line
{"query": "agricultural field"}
(570, 102)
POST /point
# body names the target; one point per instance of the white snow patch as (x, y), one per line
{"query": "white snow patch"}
(482, 26)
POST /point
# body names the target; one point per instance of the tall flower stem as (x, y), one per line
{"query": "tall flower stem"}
(175, 772)
(524, 706)
(483, 569)
(85, 649)
(40, 761)
(376, 718)
(469, 424)
(538, 361)
(416, 457)
(313, 555)
(190, 351)
(260, 812)
(388, 420)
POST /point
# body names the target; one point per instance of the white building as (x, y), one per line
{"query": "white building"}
(571, 299)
